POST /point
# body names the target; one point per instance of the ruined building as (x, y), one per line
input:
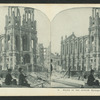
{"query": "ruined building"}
(83, 53)
(20, 40)
(40, 55)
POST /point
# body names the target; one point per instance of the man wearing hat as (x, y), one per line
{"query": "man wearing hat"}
(91, 80)
(9, 79)
(22, 78)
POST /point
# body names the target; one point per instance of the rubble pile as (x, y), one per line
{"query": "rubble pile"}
(56, 75)
(38, 79)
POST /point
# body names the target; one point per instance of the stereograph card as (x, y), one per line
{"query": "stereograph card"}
(49, 49)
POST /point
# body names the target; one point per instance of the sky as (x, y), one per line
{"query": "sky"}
(68, 21)
(43, 24)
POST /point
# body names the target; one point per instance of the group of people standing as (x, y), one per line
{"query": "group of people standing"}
(21, 80)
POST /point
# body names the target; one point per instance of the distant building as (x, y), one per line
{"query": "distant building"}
(83, 53)
(56, 61)
(40, 55)
(20, 40)
(47, 57)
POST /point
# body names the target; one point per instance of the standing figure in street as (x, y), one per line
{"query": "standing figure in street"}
(91, 80)
(22, 78)
(9, 79)
(51, 68)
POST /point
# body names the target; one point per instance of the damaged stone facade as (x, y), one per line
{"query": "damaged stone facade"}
(20, 40)
(40, 58)
(83, 53)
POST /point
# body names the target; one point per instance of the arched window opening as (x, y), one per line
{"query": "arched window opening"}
(63, 48)
(25, 43)
(86, 46)
(8, 42)
(71, 48)
(26, 58)
(29, 15)
(17, 58)
(32, 43)
(99, 41)
(17, 43)
(92, 39)
(92, 42)
(67, 48)
(8, 37)
(76, 47)
(80, 47)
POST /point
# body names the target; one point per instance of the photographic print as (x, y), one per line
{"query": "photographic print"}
(76, 48)
(24, 53)
(49, 51)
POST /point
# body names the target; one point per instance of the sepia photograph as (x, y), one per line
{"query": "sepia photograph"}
(37, 52)
(24, 53)
(75, 47)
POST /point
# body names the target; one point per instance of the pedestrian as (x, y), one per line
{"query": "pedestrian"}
(9, 79)
(22, 78)
(85, 76)
(51, 67)
(91, 80)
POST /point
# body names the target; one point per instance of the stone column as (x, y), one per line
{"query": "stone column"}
(21, 45)
(97, 58)
(9, 61)
(21, 48)
(77, 55)
(87, 63)
(93, 12)
(97, 49)
(30, 42)
(98, 62)
(10, 51)
(34, 51)
(93, 63)
(68, 55)
(32, 14)
(4, 67)
(27, 17)
(14, 60)
(32, 61)
(94, 44)
(4, 54)
(31, 50)
(82, 63)
(14, 45)
(62, 52)
(14, 49)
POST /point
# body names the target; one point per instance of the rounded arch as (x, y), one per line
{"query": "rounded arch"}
(80, 46)
(26, 58)
(17, 42)
(8, 37)
(92, 38)
(25, 43)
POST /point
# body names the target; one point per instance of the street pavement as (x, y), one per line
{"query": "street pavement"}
(58, 78)
(59, 85)
(69, 82)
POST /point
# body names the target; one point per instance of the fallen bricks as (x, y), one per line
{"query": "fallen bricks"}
(38, 80)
